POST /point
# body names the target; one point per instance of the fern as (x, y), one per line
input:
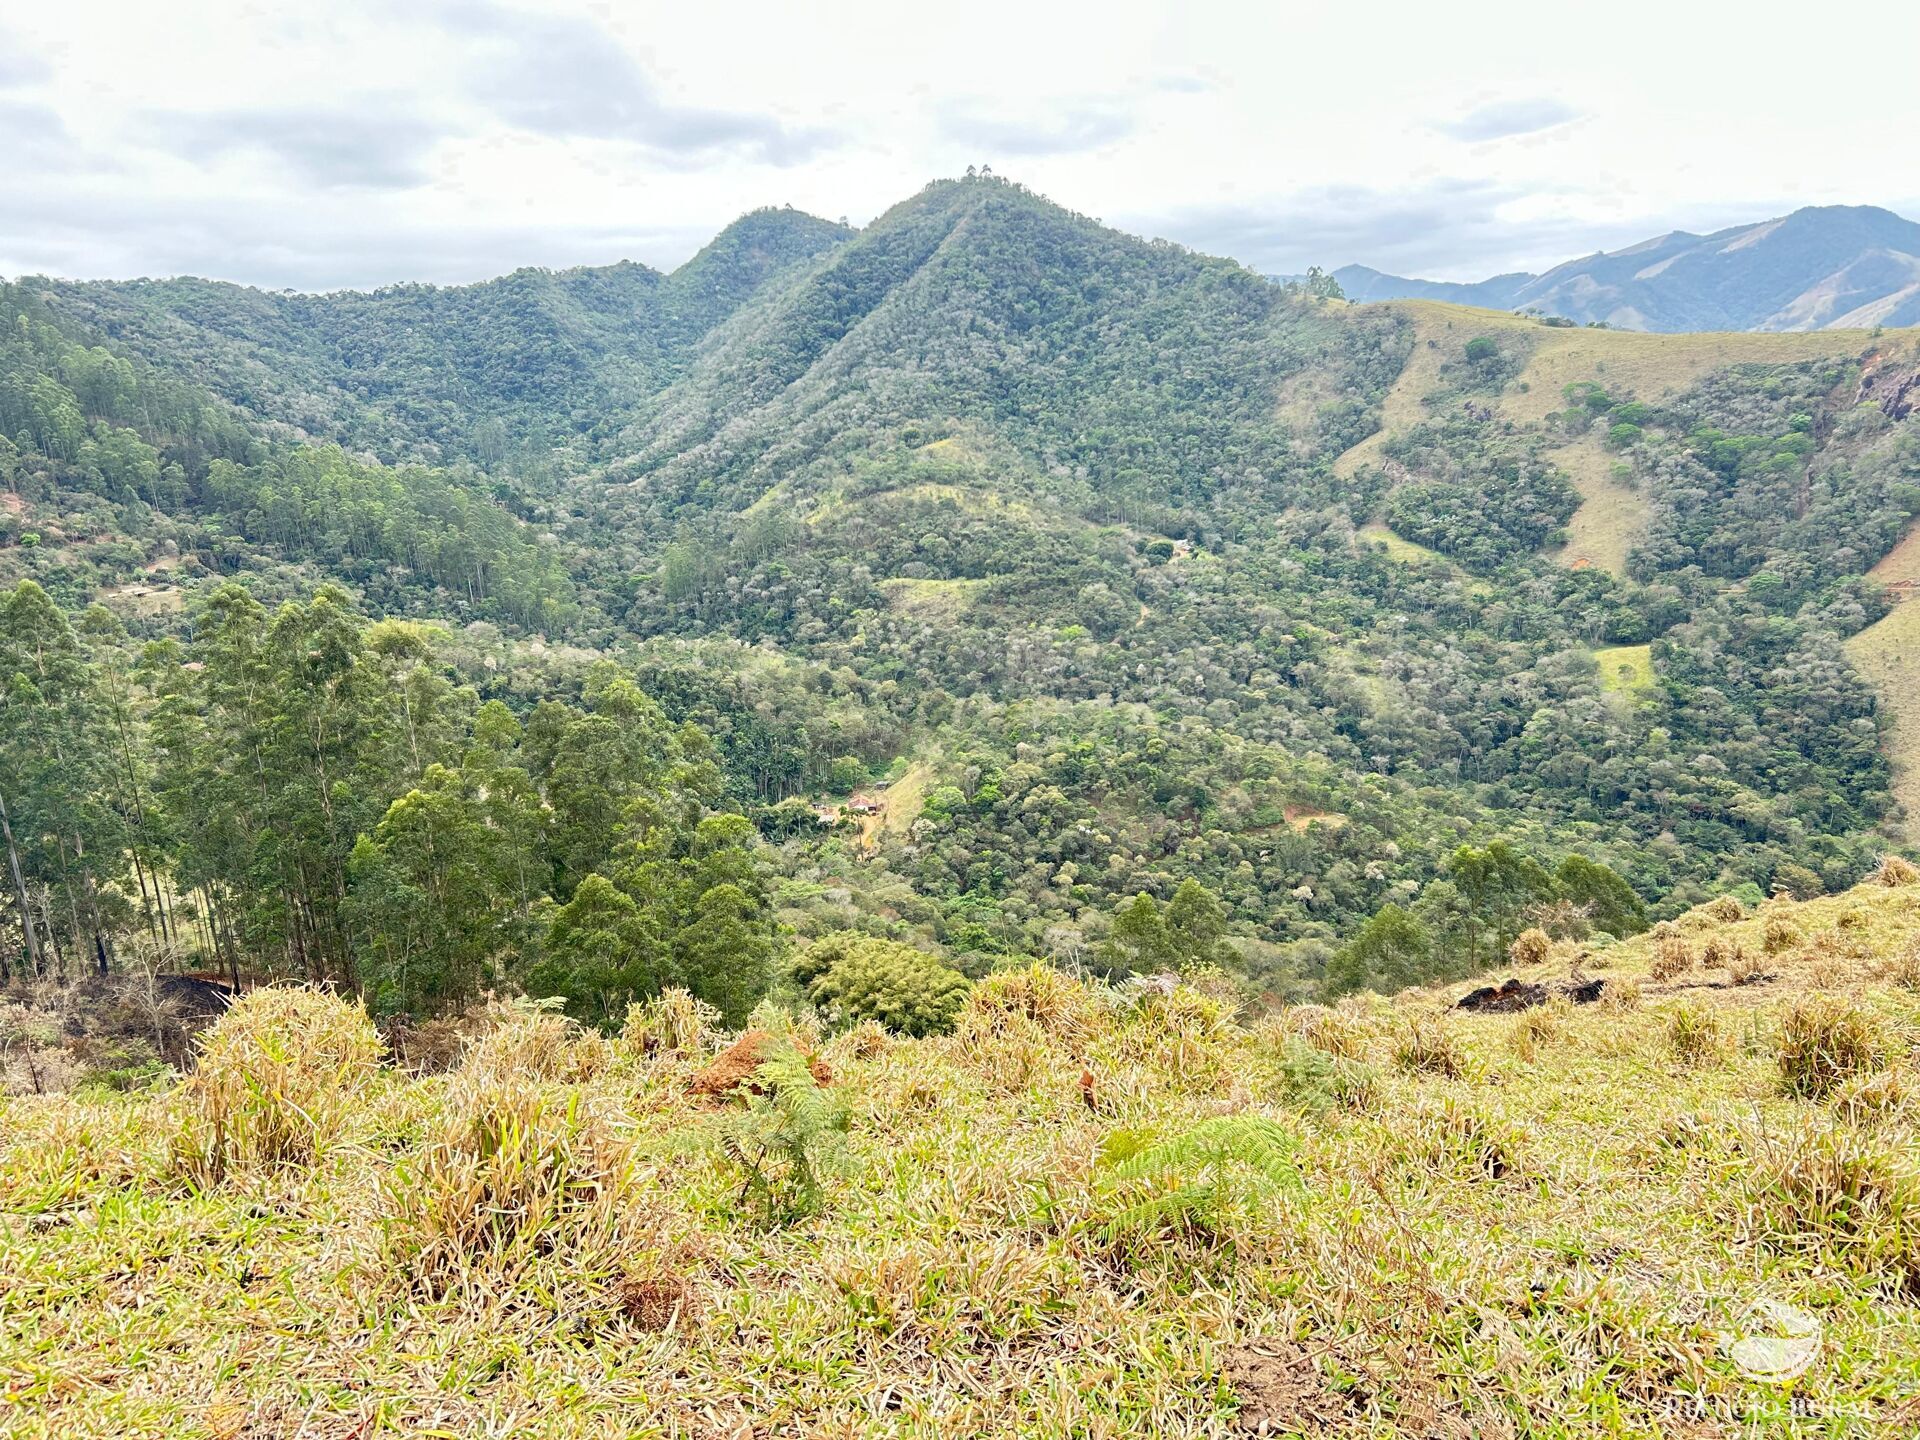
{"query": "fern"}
(1195, 1180)
(785, 1138)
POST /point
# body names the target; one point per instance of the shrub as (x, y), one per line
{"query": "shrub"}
(515, 1169)
(1829, 1193)
(1823, 1040)
(1876, 1095)
(1780, 935)
(1904, 969)
(1542, 1025)
(1727, 910)
(278, 1080)
(1671, 957)
(1622, 994)
(1428, 1046)
(1456, 1136)
(907, 990)
(1530, 947)
(1036, 998)
(534, 1040)
(1895, 872)
(1200, 1183)
(1694, 1034)
(672, 1023)
(789, 1131)
(1337, 1032)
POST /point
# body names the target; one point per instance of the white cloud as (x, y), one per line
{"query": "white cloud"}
(1503, 119)
(359, 143)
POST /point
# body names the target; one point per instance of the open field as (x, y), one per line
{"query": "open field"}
(1888, 654)
(1612, 516)
(1088, 1212)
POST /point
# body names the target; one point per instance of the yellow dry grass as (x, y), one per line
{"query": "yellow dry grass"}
(1612, 515)
(1887, 653)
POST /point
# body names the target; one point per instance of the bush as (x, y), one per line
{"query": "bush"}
(907, 990)
(1829, 1193)
(1530, 947)
(1780, 935)
(1455, 1136)
(1895, 872)
(1727, 910)
(1429, 1047)
(672, 1023)
(1824, 1040)
(1036, 998)
(1671, 957)
(1694, 1034)
(279, 1078)
(1337, 1032)
(515, 1169)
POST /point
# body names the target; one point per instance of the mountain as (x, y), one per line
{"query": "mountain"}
(1826, 267)
(1050, 566)
(542, 354)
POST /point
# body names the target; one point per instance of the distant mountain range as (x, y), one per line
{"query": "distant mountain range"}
(1826, 267)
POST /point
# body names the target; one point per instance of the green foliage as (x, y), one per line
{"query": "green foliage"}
(854, 977)
(785, 1139)
(1202, 1182)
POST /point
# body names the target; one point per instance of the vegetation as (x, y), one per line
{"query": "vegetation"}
(1140, 1216)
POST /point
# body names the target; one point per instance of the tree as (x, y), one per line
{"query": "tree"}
(854, 977)
(1390, 952)
(1610, 902)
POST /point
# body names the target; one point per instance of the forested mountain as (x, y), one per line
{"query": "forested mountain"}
(422, 372)
(986, 580)
(1823, 267)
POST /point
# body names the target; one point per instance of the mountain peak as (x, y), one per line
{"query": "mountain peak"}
(1817, 267)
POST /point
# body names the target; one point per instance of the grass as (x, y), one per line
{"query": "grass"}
(1612, 516)
(1887, 653)
(931, 600)
(1625, 669)
(1549, 1224)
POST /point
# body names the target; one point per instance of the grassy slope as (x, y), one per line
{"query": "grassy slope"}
(1647, 367)
(1556, 1238)
(1888, 654)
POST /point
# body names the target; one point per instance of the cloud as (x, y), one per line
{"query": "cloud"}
(1448, 228)
(17, 67)
(569, 79)
(33, 132)
(371, 148)
(1067, 130)
(1503, 119)
(114, 230)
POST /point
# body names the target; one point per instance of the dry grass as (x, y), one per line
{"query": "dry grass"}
(1823, 1041)
(279, 1078)
(550, 1241)
(1672, 958)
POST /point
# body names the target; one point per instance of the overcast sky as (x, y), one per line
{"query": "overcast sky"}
(349, 144)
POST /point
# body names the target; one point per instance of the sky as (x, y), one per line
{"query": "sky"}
(350, 144)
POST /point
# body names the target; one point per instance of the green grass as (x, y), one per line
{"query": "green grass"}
(1407, 552)
(1556, 1233)
(1625, 669)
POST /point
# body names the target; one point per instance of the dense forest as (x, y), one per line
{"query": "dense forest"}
(985, 582)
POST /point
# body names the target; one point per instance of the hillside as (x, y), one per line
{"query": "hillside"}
(1686, 1205)
(421, 372)
(1831, 267)
(1196, 618)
